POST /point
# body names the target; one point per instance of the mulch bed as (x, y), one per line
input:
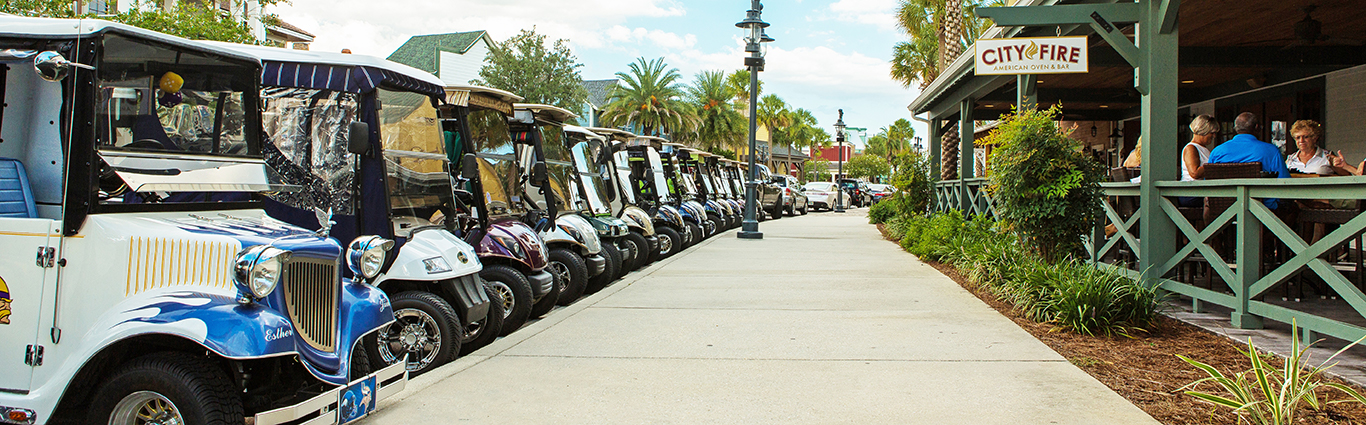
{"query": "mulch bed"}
(1145, 370)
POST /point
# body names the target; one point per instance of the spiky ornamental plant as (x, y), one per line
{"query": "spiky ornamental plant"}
(1046, 188)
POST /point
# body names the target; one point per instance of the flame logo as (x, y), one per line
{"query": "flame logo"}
(1032, 50)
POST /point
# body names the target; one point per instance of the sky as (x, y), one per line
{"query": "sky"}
(828, 54)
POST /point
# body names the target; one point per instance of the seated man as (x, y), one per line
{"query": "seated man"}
(1246, 148)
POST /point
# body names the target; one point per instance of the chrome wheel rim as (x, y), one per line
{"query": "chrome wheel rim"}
(632, 251)
(505, 293)
(413, 332)
(561, 272)
(666, 244)
(145, 408)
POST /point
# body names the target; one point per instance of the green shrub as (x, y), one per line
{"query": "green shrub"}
(1071, 294)
(1045, 187)
(882, 211)
(915, 188)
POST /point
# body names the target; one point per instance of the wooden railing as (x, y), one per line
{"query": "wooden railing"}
(1242, 283)
(1241, 274)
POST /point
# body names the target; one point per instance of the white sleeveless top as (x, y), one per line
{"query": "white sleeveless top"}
(1204, 157)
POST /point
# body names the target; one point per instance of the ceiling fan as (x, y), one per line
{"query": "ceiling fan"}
(1309, 32)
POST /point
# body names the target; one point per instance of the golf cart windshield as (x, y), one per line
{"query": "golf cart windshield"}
(172, 125)
(560, 165)
(622, 163)
(661, 183)
(586, 152)
(306, 130)
(418, 170)
(492, 145)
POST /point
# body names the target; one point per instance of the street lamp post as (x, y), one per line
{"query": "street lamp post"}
(839, 138)
(749, 227)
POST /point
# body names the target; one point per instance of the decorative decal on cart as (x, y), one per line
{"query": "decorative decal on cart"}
(357, 400)
(4, 302)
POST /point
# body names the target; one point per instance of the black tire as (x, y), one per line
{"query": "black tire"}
(670, 246)
(637, 242)
(508, 281)
(806, 208)
(482, 332)
(609, 274)
(697, 234)
(792, 210)
(717, 223)
(576, 268)
(777, 211)
(427, 320)
(197, 391)
(360, 361)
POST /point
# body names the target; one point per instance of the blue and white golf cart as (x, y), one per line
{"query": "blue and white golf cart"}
(139, 276)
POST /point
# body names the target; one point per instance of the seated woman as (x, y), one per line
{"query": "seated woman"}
(1196, 154)
(1310, 158)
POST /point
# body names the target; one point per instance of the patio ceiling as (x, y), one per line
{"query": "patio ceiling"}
(1227, 47)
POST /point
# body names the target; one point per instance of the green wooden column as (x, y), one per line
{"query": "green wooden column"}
(1026, 92)
(1157, 81)
(936, 148)
(966, 159)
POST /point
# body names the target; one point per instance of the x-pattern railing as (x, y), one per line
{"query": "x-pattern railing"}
(949, 196)
(1243, 277)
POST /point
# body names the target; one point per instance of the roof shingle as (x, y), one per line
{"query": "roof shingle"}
(599, 91)
(420, 51)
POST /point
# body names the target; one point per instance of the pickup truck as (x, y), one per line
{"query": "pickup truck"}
(769, 194)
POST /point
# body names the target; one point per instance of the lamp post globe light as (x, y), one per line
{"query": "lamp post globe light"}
(755, 37)
(839, 138)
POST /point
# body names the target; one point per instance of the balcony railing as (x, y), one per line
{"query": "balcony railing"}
(1246, 251)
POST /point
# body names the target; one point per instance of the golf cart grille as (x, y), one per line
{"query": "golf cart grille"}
(311, 291)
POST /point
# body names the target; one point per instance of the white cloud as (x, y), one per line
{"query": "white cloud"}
(365, 28)
(877, 13)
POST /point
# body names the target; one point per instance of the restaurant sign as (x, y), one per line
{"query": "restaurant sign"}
(1031, 55)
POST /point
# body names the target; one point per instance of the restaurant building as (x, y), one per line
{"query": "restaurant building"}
(1153, 65)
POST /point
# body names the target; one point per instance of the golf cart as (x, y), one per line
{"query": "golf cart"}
(383, 173)
(685, 193)
(489, 206)
(724, 194)
(600, 159)
(641, 178)
(160, 288)
(705, 192)
(576, 252)
(595, 192)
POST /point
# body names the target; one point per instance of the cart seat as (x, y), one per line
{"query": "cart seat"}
(16, 198)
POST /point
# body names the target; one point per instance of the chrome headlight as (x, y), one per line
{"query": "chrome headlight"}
(366, 255)
(257, 270)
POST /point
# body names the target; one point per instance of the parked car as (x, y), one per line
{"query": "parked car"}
(796, 200)
(180, 299)
(857, 191)
(825, 195)
(880, 191)
(772, 201)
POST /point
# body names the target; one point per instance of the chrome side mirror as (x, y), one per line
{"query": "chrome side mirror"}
(52, 66)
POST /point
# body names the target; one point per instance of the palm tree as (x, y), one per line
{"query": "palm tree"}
(650, 98)
(719, 124)
(773, 115)
(738, 84)
(916, 59)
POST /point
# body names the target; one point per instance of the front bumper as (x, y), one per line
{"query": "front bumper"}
(541, 283)
(342, 404)
(596, 264)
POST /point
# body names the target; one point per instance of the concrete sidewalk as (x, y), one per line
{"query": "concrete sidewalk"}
(820, 322)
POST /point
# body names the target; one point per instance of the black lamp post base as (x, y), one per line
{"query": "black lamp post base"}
(838, 210)
(749, 229)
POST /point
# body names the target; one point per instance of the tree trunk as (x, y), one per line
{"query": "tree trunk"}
(950, 47)
(950, 146)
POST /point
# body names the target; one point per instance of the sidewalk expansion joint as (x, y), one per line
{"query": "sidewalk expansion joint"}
(778, 359)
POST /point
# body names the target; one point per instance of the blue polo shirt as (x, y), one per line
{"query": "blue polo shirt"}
(1246, 148)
